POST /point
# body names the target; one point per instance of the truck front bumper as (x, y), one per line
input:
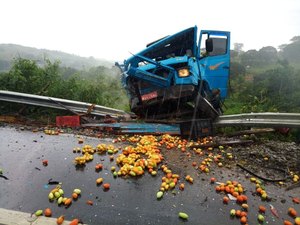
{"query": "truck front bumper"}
(163, 96)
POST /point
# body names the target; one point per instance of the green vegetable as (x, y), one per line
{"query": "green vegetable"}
(39, 212)
(1, 171)
(51, 196)
(261, 218)
(232, 212)
(56, 194)
(61, 191)
(110, 151)
(183, 215)
(77, 191)
(159, 194)
(60, 200)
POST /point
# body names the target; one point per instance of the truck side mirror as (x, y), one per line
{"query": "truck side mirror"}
(209, 45)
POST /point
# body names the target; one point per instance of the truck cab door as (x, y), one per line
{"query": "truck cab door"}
(214, 59)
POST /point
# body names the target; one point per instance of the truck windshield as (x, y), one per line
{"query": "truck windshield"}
(176, 45)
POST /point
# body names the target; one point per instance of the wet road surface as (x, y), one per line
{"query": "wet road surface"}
(129, 201)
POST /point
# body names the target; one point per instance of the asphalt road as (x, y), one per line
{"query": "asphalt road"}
(129, 201)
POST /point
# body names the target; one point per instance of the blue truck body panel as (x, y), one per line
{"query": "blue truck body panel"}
(168, 76)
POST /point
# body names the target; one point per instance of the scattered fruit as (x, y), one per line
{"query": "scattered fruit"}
(106, 186)
(39, 212)
(297, 220)
(232, 212)
(115, 174)
(89, 202)
(99, 167)
(74, 195)
(286, 222)
(60, 220)
(61, 191)
(45, 162)
(60, 200)
(68, 202)
(238, 213)
(296, 200)
(245, 206)
(77, 191)
(57, 194)
(159, 194)
(225, 200)
(261, 218)
(99, 180)
(181, 186)
(262, 209)
(292, 212)
(74, 222)
(51, 196)
(243, 219)
(183, 215)
(48, 212)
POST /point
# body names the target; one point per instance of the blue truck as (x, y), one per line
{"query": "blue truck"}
(184, 75)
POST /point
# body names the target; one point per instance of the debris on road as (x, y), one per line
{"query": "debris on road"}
(181, 165)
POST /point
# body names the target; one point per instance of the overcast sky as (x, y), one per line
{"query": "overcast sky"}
(112, 29)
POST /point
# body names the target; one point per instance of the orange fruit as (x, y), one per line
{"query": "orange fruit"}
(68, 202)
(60, 220)
(238, 213)
(245, 198)
(243, 213)
(181, 186)
(106, 186)
(243, 219)
(48, 212)
(235, 194)
(227, 189)
(74, 195)
(292, 212)
(212, 180)
(222, 188)
(286, 222)
(225, 200)
(89, 202)
(262, 209)
(240, 199)
(258, 190)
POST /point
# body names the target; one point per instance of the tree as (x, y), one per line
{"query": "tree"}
(291, 52)
(295, 39)
(281, 47)
(268, 55)
(250, 58)
(236, 69)
(238, 47)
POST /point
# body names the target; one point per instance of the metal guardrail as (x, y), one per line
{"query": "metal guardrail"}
(58, 103)
(266, 119)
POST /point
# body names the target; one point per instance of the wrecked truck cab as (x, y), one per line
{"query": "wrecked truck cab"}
(175, 77)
